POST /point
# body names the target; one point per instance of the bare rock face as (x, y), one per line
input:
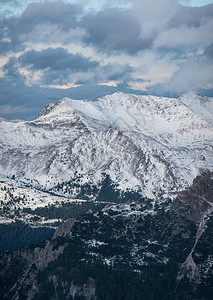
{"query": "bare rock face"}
(196, 200)
(65, 228)
(87, 291)
(202, 186)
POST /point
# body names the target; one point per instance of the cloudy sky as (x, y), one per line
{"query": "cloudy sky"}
(88, 48)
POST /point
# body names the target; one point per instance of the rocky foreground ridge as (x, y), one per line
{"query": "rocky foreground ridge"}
(137, 250)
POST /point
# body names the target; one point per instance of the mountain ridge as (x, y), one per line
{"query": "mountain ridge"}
(96, 109)
(142, 142)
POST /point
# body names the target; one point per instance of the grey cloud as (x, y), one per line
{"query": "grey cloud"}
(9, 37)
(31, 24)
(194, 74)
(57, 66)
(117, 72)
(52, 77)
(191, 16)
(209, 51)
(110, 72)
(15, 2)
(53, 33)
(166, 24)
(108, 30)
(161, 91)
(120, 75)
(174, 27)
(56, 12)
(185, 37)
(154, 15)
(113, 30)
(57, 59)
(10, 69)
(6, 47)
(140, 80)
(55, 21)
(82, 82)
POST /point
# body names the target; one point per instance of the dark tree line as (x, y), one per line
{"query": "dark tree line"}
(18, 234)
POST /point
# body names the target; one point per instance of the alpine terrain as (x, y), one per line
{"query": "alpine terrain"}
(116, 195)
(144, 143)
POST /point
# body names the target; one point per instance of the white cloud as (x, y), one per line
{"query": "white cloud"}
(154, 15)
(193, 74)
(195, 2)
(186, 36)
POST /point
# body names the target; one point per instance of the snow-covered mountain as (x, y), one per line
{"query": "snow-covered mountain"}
(145, 143)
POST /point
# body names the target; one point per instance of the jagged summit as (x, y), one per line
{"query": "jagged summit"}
(200, 105)
(133, 112)
(89, 106)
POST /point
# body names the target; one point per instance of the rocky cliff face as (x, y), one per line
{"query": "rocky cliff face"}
(136, 250)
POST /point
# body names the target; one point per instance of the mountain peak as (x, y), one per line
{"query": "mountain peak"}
(46, 110)
(89, 108)
(200, 105)
(121, 111)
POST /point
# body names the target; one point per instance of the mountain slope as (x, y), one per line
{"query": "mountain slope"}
(145, 143)
(130, 251)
